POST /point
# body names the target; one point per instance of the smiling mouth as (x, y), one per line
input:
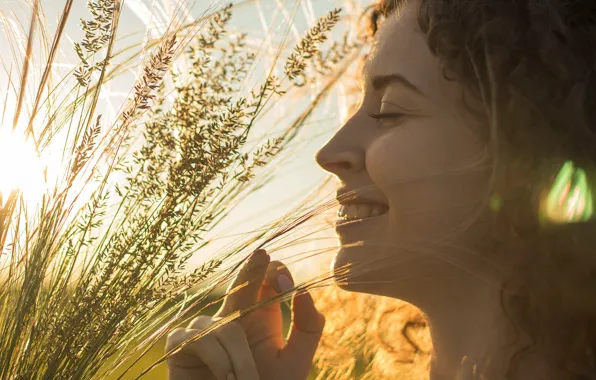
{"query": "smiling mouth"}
(356, 212)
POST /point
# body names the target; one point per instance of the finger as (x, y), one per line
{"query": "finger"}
(305, 332)
(207, 350)
(248, 281)
(271, 325)
(305, 316)
(200, 323)
(233, 339)
(271, 286)
(276, 269)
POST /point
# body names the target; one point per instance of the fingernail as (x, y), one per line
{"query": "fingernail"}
(257, 259)
(284, 283)
(258, 252)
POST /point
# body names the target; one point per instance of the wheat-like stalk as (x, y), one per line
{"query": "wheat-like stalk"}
(97, 270)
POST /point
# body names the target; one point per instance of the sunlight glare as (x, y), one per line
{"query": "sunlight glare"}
(20, 166)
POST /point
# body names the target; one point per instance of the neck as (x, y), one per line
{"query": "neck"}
(472, 324)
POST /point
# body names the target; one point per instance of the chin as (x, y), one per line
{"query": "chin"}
(407, 278)
(349, 259)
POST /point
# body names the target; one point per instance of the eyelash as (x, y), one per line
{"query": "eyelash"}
(384, 116)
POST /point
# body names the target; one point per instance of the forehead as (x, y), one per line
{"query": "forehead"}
(401, 48)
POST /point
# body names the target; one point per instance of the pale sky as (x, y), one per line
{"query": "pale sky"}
(298, 176)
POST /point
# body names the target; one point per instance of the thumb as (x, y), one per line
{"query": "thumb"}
(244, 290)
(305, 333)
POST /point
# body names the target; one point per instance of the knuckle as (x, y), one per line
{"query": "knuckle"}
(174, 338)
(176, 335)
(201, 322)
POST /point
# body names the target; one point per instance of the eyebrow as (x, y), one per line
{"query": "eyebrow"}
(382, 81)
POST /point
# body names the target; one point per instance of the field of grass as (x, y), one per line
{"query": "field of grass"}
(134, 190)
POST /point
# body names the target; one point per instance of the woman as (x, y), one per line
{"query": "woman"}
(470, 110)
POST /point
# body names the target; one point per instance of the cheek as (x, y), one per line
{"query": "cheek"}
(421, 148)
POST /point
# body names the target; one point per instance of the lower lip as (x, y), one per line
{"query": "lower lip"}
(341, 225)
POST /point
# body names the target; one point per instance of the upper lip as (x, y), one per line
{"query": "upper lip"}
(354, 198)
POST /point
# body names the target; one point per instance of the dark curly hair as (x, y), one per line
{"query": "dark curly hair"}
(533, 63)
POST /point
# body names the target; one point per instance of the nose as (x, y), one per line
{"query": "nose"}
(343, 155)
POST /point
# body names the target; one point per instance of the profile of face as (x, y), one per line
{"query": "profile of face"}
(413, 145)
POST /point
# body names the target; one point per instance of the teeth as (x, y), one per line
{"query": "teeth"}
(352, 211)
(360, 211)
(364, 210)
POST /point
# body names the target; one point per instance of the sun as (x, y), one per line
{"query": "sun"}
(20, 166)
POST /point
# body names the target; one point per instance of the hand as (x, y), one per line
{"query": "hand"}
(252, 347)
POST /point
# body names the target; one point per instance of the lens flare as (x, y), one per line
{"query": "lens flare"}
(570, 198)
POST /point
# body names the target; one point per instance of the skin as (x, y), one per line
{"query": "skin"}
(251, 347)
(429, 164)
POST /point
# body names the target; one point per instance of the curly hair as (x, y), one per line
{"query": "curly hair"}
(533, 64)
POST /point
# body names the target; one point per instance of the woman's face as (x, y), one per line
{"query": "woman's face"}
(417, 158)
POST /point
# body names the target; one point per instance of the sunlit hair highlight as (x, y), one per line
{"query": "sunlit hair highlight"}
(532, 64)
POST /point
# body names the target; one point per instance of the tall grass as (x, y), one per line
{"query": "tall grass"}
(95, 270)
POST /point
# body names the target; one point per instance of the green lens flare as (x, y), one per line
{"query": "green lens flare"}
(570, 198)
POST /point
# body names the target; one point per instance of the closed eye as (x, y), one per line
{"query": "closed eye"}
(387, 119)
